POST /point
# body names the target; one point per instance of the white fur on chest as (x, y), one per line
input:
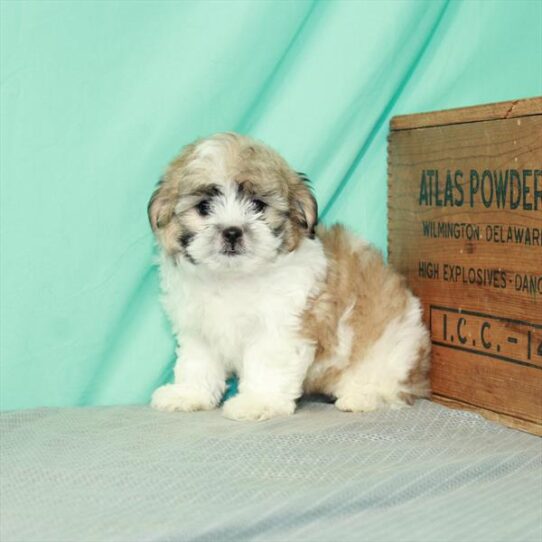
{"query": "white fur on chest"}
(229, 312)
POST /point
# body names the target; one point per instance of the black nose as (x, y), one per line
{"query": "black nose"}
(232, 234)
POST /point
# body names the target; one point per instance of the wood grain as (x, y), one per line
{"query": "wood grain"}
(494, 111)
(465, 228)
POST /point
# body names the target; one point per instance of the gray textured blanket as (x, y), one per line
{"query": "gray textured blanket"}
(129, 473)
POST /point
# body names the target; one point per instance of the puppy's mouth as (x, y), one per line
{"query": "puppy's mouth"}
(232, 251)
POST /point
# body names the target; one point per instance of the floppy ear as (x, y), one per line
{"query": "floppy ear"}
(160, 207)
(304, 208)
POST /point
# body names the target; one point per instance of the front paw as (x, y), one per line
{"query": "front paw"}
(172, 397)
(253, 407)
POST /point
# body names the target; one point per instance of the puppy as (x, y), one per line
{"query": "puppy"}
(253, 287)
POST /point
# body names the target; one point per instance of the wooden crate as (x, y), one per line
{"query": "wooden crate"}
(465, 227)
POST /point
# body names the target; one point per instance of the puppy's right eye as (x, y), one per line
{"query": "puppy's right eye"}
(258, 205)
(203, 207)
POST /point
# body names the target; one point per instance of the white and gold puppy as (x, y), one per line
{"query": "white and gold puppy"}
(253, 287)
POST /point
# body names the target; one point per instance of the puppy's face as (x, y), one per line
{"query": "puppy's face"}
(229, 203)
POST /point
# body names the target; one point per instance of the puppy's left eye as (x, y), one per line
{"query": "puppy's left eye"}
(259, 205)
(204, 207)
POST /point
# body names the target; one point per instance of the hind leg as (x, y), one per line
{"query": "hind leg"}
(392, 372)
(364, 397)
(358, 403)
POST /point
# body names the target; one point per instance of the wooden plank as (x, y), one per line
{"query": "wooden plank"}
(465, 228)
(505, 388)
(495, 111)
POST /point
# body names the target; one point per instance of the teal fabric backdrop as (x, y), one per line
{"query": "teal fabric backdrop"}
(97, 97)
